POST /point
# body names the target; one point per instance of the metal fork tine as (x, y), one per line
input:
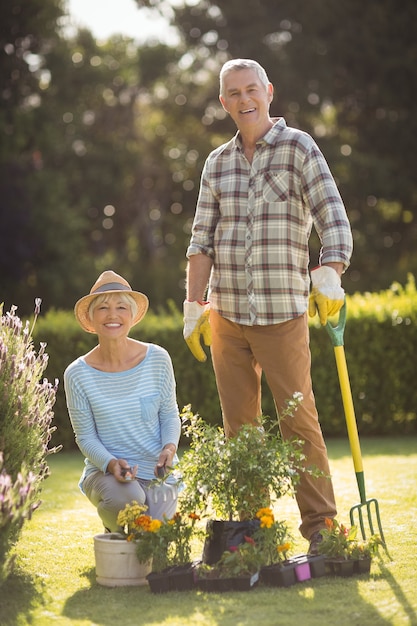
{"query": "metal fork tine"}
(358, 510)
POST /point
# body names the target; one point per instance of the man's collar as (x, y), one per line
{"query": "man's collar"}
(270, 137)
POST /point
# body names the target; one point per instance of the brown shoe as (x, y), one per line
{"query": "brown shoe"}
(315, 539)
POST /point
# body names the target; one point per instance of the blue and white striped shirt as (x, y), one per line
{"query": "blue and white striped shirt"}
(131, 414)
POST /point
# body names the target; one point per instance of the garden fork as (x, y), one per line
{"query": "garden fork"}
(357, 511)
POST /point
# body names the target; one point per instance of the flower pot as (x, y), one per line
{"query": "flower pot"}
(176, 578)
(222, 535)
(214, 585)
(116, 562)
(279, 575)
(244, 583)
(362, 566)
(340, 567)
(302, 571)
(221, 585)
(316, 566)
(159, 582)
(182, 577)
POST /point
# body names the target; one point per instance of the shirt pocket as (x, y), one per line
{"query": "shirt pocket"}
(149, 406)
(275, 187)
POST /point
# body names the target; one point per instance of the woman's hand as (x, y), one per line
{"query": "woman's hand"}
(165, 460)
(121, 470)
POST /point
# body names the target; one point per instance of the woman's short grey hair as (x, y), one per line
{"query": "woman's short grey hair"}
(242, 64)
(104, 297)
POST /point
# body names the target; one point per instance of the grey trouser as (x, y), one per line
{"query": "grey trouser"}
(111, 496)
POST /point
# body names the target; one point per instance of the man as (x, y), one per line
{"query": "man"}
(260, 194)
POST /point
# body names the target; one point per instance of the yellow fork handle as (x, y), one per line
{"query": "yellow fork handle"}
(345, 389)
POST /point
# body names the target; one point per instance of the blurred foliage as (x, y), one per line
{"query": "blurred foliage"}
(380, 344)
(103, 142)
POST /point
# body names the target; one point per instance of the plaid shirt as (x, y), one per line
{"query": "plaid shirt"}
(254, 220)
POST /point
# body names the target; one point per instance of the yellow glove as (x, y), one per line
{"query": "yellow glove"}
(197, 324)
(327, 296)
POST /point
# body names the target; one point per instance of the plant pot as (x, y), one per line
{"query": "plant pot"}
(340, 567)
(244, 583)
(182, 577)
(221, 585)
(216, 585)
(222, 535)
(279, 575)
(302, 571)
(176, 578)
(316, 565)
(362, 566)
(159, 582)
(116, 562)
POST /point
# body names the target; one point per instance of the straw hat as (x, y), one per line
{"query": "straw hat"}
(109, 282)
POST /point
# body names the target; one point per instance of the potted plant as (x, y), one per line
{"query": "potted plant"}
(274, 544)
(237, 569)
(115, 553)
(345, 553)
(165, 543)
(227, 480)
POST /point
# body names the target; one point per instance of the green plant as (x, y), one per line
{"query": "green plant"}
(341, 542)
(64, 580)
(26, 415)
(242, 560)
(233, 478)
(269, 544)
(167, 542)
(272, 539)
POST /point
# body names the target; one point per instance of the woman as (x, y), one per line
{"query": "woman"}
(121, 399)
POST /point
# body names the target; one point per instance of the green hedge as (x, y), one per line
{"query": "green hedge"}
(380, 345)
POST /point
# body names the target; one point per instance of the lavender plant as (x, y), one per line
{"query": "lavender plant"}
(26, 403)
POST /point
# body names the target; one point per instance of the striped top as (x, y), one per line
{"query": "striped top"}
(254, 220)
(130, 415)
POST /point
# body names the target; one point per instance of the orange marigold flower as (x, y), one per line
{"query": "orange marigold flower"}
(264, 511)
(194, 516)
(143, 521)
(155, 525)
(329, 523)
(284, 547)
(267, 521)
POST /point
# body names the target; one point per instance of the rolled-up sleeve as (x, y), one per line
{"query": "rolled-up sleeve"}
(327, 209)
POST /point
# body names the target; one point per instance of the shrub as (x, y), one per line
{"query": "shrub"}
(25, 429)
(380, 344)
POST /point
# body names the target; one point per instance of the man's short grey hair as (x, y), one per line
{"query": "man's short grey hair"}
(242, 64)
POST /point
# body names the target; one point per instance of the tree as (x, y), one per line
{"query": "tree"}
(346, 73)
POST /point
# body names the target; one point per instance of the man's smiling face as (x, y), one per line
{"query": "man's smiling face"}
(246, 98)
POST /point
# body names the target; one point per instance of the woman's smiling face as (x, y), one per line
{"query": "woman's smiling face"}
(111, 314)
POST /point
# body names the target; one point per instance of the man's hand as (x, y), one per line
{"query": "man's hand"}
(327, 296)
(196, 324)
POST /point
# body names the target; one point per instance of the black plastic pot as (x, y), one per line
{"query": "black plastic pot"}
(222, 535)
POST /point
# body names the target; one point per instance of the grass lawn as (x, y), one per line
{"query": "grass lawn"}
(54, 578)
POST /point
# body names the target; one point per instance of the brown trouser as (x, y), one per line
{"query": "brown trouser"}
(240, 354)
